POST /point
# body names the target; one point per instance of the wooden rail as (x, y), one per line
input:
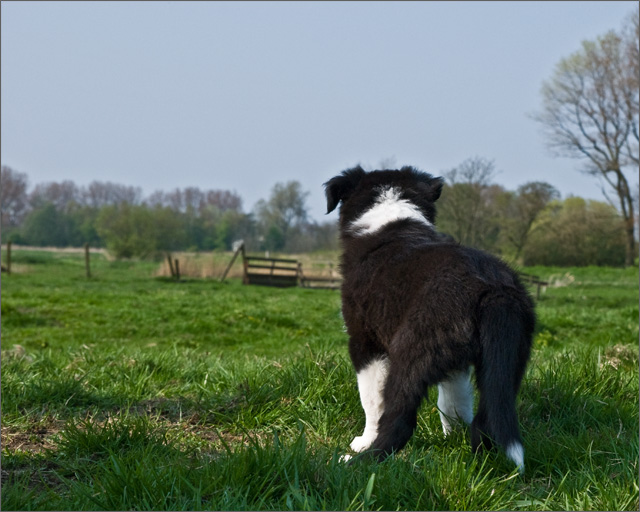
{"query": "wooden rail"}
(320, 282)
(533, 280)
(278, 272)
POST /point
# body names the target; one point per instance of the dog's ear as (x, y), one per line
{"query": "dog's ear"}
(435, 188)
(342, 186)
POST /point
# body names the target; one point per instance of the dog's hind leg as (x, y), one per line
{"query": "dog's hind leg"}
(455, 399)
(371, 381)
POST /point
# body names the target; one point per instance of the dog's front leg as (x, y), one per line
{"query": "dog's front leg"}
(407, 381)
(371, 382)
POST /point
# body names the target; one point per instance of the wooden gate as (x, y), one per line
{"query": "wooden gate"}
(279, 272)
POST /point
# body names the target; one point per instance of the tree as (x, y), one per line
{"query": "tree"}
(590, 112)
(631, 38)
(523, 209)
(13, 197)
(203, 214)
(232, 226)
(128, 230)
(285, 209)
(274, 239)
(62, 195)
(99, 194)
(167, 230)
(576, 232)
(46, 226)
(466, 210)
(192, 199)
(83, 219)
(224, 200)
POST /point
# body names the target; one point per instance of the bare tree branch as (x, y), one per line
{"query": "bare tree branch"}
(590, 112)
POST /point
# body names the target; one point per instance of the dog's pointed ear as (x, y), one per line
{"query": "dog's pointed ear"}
(435, 188)
(342, 186)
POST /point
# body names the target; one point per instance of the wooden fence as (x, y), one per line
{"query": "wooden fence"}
(534, 281)
(332, 282)
(279, 272)
(7, 266)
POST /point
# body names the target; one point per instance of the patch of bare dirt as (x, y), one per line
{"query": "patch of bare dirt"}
(34, 439)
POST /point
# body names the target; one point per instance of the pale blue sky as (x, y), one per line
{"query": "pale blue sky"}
(241, 95)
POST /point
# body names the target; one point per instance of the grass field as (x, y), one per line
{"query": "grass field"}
(129, 391)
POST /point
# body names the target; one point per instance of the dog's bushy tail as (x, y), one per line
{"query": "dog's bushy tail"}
(505, 329)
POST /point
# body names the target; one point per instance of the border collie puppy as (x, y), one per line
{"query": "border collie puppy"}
(420, 310)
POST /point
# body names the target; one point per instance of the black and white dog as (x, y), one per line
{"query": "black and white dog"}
(420, 310)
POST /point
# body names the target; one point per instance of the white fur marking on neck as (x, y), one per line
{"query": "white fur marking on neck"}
(387, 208)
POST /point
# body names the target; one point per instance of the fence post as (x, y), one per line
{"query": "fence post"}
(9, 257)
(235, 255)
(86, 259)
(177, 269)
(245, 266)
(173, 274)
(300, 274)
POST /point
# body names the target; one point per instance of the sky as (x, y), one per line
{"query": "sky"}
(241, 95)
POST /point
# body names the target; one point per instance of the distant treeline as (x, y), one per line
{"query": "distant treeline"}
(530, 225)
(118, 217)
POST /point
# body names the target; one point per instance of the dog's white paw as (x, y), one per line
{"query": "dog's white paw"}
(345, 458)
(447, 425)
(361, 443)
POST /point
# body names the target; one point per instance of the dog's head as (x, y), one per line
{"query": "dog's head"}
(371, 199)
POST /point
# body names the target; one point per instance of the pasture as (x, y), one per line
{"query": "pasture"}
(129, 391)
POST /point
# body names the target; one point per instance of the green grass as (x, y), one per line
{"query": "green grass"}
(127, 392)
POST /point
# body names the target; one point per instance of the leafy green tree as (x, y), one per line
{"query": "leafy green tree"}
(167, 230)
(140, 231)
(46, 226)
(232, 226)
(274, 239)
(284, 210)
(466, 209)
(84, 219)
(520, 211)
(577, 232)
(128, 230)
